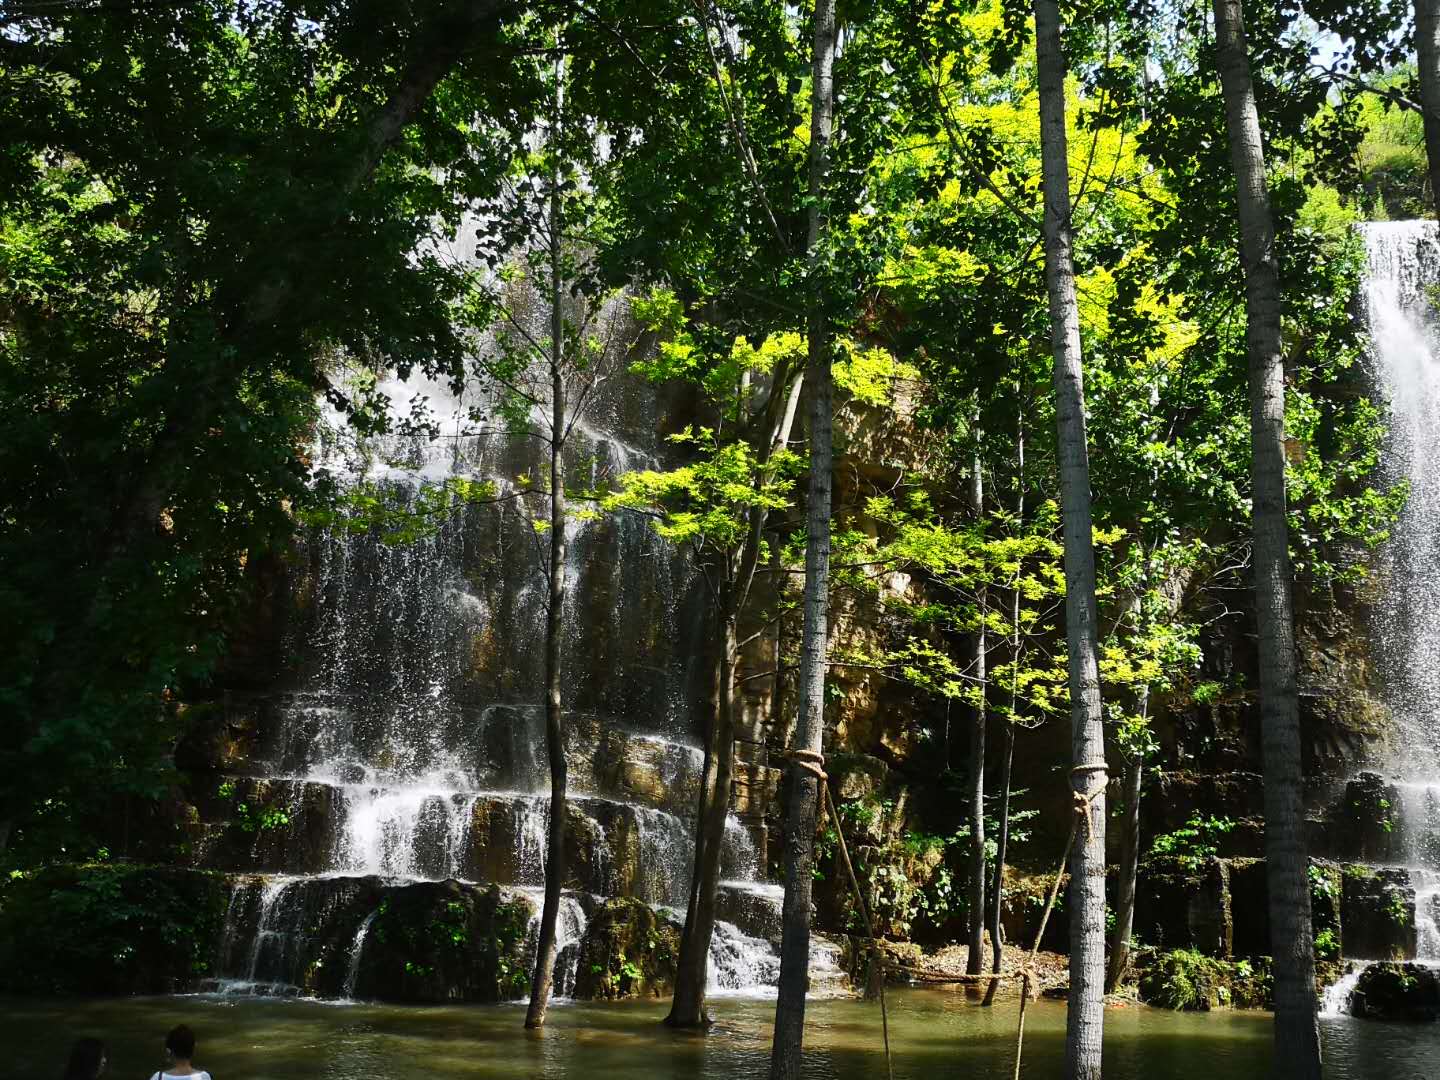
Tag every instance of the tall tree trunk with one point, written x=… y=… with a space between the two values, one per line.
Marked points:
x=1001 y=845
x=687 y=1007
x=1002 y=842
x=554 y=626
x=1085 y=1016
x=708 y=773
x=1297 y=1037
x=733 y=591
x=1427 y=60
x=1129 y=866
x=800 y=814
x=975 y=953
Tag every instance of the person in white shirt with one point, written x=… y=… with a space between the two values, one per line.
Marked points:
x=180 y=1046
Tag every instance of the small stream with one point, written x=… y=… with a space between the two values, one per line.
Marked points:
x=935 y=1035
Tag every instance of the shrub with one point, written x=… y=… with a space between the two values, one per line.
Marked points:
x=109 y=928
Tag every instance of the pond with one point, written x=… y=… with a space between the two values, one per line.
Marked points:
x=935 y=1035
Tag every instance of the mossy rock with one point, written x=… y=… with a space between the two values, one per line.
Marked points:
x=110 y=928
x=628 y=952
x=1391 y=991
x=1377 y=913
x=1193 y=982
x=1184 y=904
x=447 y=941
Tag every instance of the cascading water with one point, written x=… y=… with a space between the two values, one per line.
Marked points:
x=1403 y=258
x=410 y=746
x=1403 y=267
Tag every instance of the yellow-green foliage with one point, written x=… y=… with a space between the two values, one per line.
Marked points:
x=707 y=503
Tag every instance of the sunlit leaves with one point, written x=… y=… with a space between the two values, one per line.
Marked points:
x=708 y=502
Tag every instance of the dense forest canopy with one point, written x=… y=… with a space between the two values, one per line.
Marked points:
x=222 y=219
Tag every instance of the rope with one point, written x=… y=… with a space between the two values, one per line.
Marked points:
x=813 y=762
x=1082 y=803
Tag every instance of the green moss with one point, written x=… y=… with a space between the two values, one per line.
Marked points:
x=627 y=952
x=440 y=941
x=1193 y=982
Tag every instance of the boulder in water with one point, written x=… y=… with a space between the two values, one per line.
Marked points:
x=1391 y=991
x=447 y=941
x=628 y=951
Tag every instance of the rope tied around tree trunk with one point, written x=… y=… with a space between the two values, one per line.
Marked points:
x=1082 y=802
x=813 y=762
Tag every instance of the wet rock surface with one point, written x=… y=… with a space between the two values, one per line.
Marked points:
x=447 y=941
x=628 y=951
x=1392 y=991
x=1377 y=913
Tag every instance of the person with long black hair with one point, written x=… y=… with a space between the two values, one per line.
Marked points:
x=87 y=1060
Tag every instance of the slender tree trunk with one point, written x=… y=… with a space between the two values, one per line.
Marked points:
x=801 y=811
x=1297 y=1038
x=554 y=626
x=1129 y=869
x=1085 y=1015
x=1001 y=845
x=1427 y=59
x=687 y=1007
x=975 y=953
x=708 y=776
x=1002 y=842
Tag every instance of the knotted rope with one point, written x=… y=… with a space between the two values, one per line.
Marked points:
x=1082 y=803
x=813 y=762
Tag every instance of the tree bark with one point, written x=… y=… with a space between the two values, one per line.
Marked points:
x=1297 y=1037
x=1085 y=1016
x=708 y=776
x=687 y=1007
x=1427 y=60
x=554 y=627
x=975 y=953
x=802 y=808
x=1002 y=842
x=1129 y=869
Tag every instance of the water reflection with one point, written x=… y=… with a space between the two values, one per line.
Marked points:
x=935 y=1035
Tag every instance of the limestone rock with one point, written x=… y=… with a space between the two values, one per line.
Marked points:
x=628 y=951
x=447 y=941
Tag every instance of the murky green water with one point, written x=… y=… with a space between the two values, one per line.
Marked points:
x=936 y=1036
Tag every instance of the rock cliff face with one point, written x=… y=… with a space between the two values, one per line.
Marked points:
x=364 y=792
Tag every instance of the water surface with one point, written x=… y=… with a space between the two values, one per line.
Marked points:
x=935 y=1035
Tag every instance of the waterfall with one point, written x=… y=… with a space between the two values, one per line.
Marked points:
x=1335 y=1001
x=406 y=742
x=352 y=970
x=1403 y=267
x=1403 y=257
x=1403 y=260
